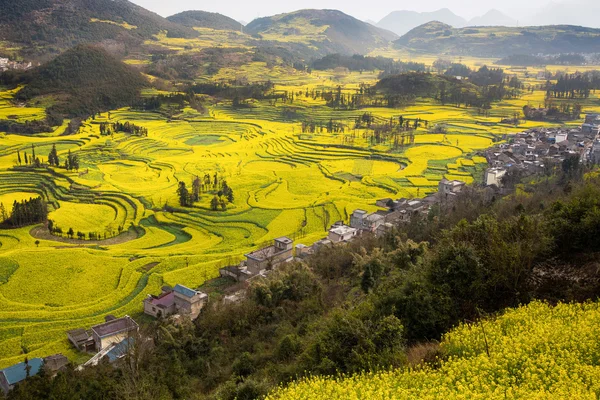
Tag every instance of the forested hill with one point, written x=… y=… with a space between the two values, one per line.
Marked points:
x=45 y=27
x=84 y=80
x=203 y=19
x=331 y=31
x=438 y=38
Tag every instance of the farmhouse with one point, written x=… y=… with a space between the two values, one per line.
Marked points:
x=114 y=330
x=270 y=257
x=179 y=300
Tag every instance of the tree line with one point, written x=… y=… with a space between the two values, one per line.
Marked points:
x=107 y=128
x=25 y=212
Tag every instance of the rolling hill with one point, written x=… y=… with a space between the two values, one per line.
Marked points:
x=439 y=38
x=325 y=31
x=42 y=28
x=82 y=81
x=204 y=19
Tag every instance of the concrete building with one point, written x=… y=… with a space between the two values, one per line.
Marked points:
x=448 y=188
x=114 y=330
x=162 y=305
x=493 y=176
x=189 y=302
x=366 y=222
x=343 y=233
x=270 y=257
x=238 y=272
x=179 y=300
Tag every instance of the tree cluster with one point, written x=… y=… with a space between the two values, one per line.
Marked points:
x=25 y=212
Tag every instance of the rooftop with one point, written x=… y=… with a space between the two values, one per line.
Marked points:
x=285 y=240
x=343 y=230
x=18 y=372
x=115 y=326
x=79 y=335
x=185 y=291
x=164 y=300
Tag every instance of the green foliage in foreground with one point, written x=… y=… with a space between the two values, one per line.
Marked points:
x=536 y=351
x=321 y=319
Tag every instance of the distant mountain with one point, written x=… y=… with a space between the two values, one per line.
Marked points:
x=84 y=80
x=493 y=18
x=400 y=22
x=203 y=19
x=578 y=12
x=43 y=27
x=438 y=38
x=324 y=31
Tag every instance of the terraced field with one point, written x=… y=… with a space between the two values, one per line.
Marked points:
x=285 y=183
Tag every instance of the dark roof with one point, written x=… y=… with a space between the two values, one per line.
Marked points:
x=79 y=335
x=187 y=292
x=18 y=373
x=115 y=326
x=55 y=362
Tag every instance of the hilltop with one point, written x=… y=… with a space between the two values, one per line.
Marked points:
x=439 y=38
x=83 y=81
x=46 y=27
x=330 y=31
x=204 y=19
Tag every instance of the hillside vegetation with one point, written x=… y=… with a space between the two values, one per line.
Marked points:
x=84 y=80
x=536 y=351
x=44 y=27
x=438 y=38
x=203 y=19
x=331 y=31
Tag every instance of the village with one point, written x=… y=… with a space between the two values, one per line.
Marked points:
x=526 y=153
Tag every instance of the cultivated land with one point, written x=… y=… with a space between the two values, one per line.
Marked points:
x=285 y=182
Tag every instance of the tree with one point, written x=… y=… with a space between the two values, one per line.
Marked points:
x=183 y=194
x=19 y=157
x=196 y=189
x=53 y=157
x=214 y=203
x=3 y=214
x=71 y=233
x=368 y=281
x=37 y=243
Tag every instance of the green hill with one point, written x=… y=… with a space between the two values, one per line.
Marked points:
x=83 y=81
x=46 y=27
x=203 y=19
x=438 y=38
x=326 y=31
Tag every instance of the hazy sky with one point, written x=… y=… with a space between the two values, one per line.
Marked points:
x=247 y=10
